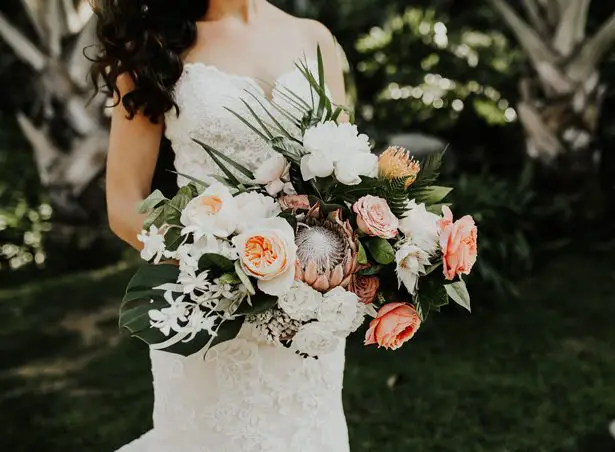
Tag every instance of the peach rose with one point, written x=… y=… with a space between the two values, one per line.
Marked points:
x=365 y=287
x=395 y=324
x=374 y=217
x=267 y=252
x=458 y=241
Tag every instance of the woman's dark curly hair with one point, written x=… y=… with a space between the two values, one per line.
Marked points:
x=146 y=40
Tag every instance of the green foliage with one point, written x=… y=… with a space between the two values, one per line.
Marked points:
x=459 y=294
x=216 y=261
x=509 y=213
x=480 y=373
x=380 y=250
x=24 y=210
x=426 y=69
x=394 y=191
x=431 y=294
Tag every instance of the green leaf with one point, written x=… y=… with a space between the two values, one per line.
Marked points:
x=211 y=261
x=437 y=208
x=229 y=329
x=362 y=255
x=429 y=195
x=211 y=151
x=430 y=170
x=260 y=302
x=381 y=250
x=156 y=218
x=197 y=182
x=141 y=296
x=370 y=271
x=151 y=202
x=173 y=238
x=257 y=118
x=288 y=148
x=229 y=278
x=422 y=308
x=150 y=275
x=459 y=294
x=245 y=279
x=247 y=123
x=279 y=126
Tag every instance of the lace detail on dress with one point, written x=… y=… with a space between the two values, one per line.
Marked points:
x=203 y=94
x=246 y=395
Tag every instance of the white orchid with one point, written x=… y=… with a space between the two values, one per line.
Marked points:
x=340 y=149
x=168 y=319
x=199 y=321
x=212 y=214
x=411 y=263
x=421 y=227
x=192 y=282
x=153 y=244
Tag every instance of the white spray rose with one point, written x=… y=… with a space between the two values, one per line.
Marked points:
x=272 y=173
x=421 y=227
x=213 y=213
x=411 y=263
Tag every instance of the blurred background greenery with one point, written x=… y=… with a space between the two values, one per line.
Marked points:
x=533 y=369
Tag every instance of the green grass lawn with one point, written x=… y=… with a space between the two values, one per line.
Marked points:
x=537 y=374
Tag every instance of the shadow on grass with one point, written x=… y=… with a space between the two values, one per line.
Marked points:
x=535 y=375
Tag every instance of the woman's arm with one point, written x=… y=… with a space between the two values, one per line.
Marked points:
x=133 y=152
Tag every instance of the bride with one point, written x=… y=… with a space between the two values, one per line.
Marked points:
x=173 y=67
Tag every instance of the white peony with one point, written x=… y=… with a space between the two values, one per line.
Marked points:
x=212 y=214
x=272 y=172
x=339 y=310
x=314 y=339
x=254 y=207
x=340 y=149
x=301 y=302
x=421 y=227
x=411 y=263
x=153 y=244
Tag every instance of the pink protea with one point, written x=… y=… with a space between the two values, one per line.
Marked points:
x=327 y=250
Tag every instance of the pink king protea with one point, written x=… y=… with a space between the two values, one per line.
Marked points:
x=327 y=251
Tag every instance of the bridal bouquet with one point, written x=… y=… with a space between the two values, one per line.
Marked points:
x=320 y=236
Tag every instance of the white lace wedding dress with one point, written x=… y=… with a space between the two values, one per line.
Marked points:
x=245 y=395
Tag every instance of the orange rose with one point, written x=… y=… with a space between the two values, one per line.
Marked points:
x=458 y=242
x=365 y=287
x=395 y=324
x=267 y=252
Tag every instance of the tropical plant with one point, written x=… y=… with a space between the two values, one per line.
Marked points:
x=52 y=104
x=561 y=99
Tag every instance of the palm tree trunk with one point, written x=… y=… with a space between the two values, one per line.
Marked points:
x=561 y=97
x=67 y=132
